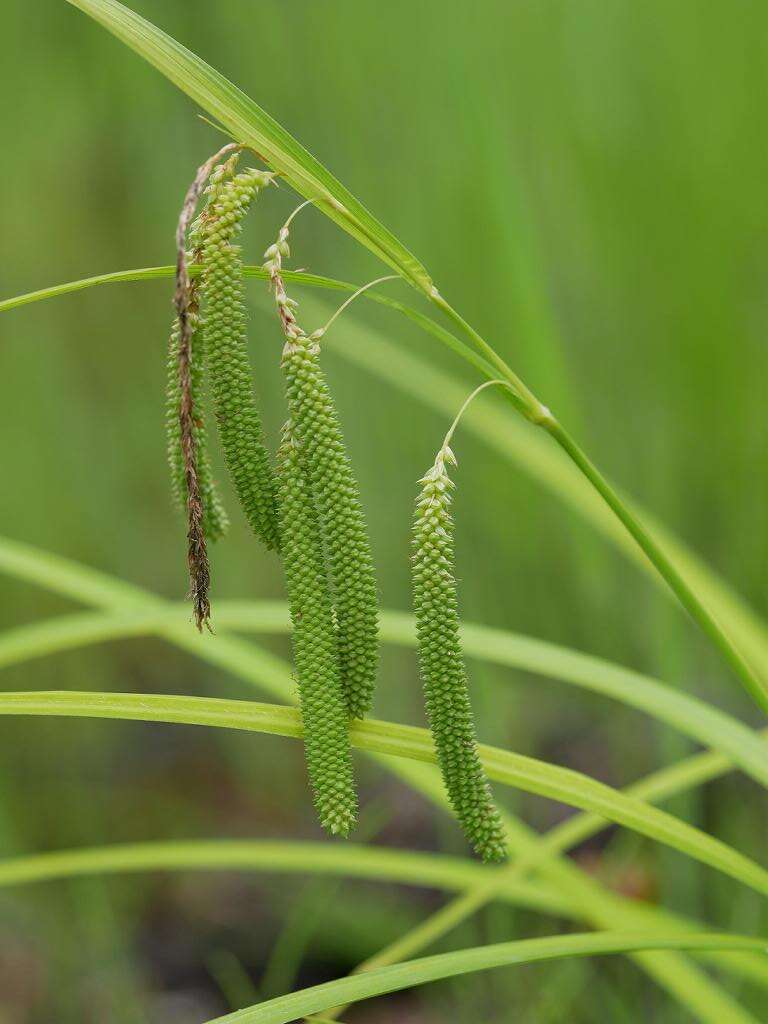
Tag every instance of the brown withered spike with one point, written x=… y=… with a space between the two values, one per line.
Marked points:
x=183 y=300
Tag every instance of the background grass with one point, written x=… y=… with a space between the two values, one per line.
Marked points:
x=597 y=209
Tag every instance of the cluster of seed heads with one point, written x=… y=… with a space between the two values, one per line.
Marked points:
x=442 y=664
x=185 y=302
x=310 y=512
x=334 y=669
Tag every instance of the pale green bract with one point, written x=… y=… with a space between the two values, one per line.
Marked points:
x=443 y=673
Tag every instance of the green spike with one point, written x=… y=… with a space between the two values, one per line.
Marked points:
x=323 y=707
x=443 y=672
x=224 y=332
x=336 y=497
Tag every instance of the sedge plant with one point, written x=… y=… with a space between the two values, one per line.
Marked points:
x=310 y=511
x=251 y=127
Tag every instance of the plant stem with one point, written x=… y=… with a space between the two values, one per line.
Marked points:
x=528 y=404
x=698 y=612
x=467 y=402
x=539 y=414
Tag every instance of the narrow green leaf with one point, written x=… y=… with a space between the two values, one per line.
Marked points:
x=605 y=909
x=707 y=725
x=258 y=668
x=389 y=738
x=253 y=127
x=288 y=1008
x=426 y=323
x=346 y=860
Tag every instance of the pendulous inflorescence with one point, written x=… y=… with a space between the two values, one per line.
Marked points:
x=321 y=697
x=334 y=489
x=336 y=498
x=224 y=333
x=310 y=511
x=184 y=300
x=443 y=671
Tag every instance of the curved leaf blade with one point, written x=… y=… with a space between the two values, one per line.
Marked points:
x=252 y=126
x=426 y=323
x=604 y=910
x=533 y=776
x=291 y=1007
x=689 y=715
x=347 y=860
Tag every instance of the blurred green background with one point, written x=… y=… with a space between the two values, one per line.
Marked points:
x=585 y=180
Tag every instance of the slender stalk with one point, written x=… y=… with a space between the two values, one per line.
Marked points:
x=467 y=402
x=530 y=406
x=541 y=416
x=698 y=612
x=360 y=291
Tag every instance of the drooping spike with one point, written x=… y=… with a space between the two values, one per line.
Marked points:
x=322 y=701
x=443 y=672
x=342 y=522
x=224 y=332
